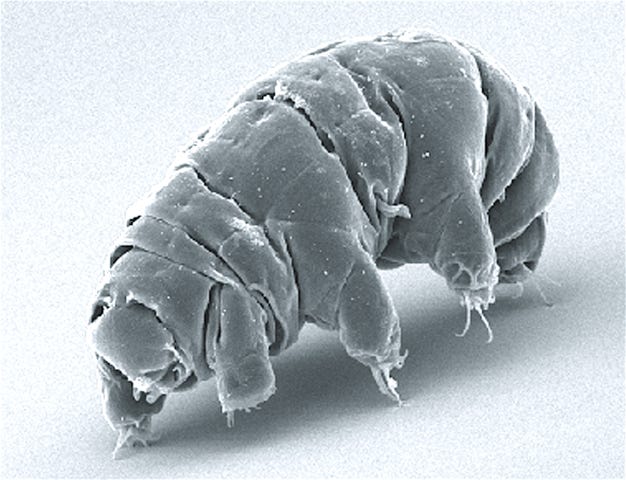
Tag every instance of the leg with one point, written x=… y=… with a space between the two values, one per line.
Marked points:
x=531 y=191
x=127 y=410
x=369 y=327
x=446 y=162
x=239 y=353
x=519 y=257
x=466 y=257
x=448 y=227
x=465 y=254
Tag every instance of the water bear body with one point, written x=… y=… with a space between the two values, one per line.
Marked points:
x=363 y=154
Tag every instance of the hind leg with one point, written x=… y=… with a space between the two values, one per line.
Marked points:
x=465 y=254
x=448 y=227
x=530 y=191
x=369 y=327
x=519 y=257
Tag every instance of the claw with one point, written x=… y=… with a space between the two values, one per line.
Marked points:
x=543 y=276
x=468 y=315
x=475 y=303
x=386 y=383
x=543 y=296
x=230 y=418
x=131 y=436
x=485 y=321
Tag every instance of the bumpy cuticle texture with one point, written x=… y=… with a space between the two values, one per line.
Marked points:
x=365 y=154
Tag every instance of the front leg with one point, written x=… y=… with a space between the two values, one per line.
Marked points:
x=127 y=410
x=238 y=351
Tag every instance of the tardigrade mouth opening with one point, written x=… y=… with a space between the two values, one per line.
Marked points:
x=163 y=381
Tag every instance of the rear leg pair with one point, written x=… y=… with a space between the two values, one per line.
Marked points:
x=472 y=250
x=516 y=261
x=473 y=265
x=477 y=232
x=519 y=258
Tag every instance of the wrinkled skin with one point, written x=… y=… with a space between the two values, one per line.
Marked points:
x=407 y=148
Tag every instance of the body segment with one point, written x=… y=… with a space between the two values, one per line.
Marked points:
x=363 y=154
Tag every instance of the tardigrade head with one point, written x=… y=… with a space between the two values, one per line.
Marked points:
x=132 y=339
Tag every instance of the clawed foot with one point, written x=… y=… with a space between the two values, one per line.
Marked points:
x=386 y=384
x=476 y=302
x=547 y=302
x=130 y=436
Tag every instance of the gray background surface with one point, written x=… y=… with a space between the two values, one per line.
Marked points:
x=97 y=99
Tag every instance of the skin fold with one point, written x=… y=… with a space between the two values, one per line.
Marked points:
x=365 y=154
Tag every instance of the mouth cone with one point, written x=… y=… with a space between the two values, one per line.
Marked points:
x=131 y=339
